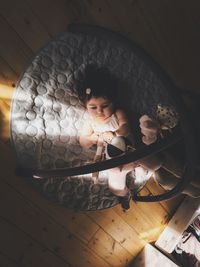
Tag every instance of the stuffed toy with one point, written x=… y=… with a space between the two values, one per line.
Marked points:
x=166 y=119
x=117 y=146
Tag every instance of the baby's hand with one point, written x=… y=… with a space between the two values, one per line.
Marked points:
x=94 y=138
x=108 y=136
x=149 y=129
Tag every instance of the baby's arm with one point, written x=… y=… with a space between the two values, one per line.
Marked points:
x=124 y=128
x=88 y=137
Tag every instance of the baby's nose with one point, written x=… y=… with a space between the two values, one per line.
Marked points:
x=99 y=110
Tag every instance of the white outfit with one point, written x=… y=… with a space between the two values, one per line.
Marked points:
x=116 y=178
x=111 y=125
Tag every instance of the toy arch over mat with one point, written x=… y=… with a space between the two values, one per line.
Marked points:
x=47 y=115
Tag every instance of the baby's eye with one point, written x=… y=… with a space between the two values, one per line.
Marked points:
x=105 y=106
x=92 y=107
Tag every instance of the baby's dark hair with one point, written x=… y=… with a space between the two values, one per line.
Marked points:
x=98 y=82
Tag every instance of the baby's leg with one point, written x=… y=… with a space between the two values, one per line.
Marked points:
x=117 y=181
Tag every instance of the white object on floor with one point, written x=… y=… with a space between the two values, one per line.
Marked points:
x=151 y=257
x=172 y=234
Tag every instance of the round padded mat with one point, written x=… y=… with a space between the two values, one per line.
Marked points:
x=47 y=115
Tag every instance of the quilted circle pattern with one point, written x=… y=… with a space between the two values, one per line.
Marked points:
x=47 y=114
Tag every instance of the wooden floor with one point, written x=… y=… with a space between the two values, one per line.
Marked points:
x=35 y=232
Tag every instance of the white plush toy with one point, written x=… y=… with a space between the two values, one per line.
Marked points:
x=117 y=146
x=166 y=119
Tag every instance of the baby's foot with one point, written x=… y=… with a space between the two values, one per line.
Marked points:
x=125 y=202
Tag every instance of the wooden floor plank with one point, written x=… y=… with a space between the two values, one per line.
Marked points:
x=24 y=250
x=101 y=14
x=118 y=229
x=7 y=76
x=5 y=119
x=153 y=210
x=44 y=230
x=53 y=15
x=27 y=213
x=25 y=23
x=146 y=228
x=135 y=26
x=7 y=262
x=180 y=54
x=77 y=223
x=169 y=32
x=8 y=79
x=12 y=48
x=80 y=13
x=103 y=244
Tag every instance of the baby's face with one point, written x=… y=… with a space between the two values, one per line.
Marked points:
x=99 y=108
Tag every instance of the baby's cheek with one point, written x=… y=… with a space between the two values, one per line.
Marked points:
x=92 y=112
x=108 y=112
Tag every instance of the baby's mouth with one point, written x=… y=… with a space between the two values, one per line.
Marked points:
x=100 y=116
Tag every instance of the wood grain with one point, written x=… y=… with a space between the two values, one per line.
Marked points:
x=12 y=48
x=27 y=26
x=22 y=249
x=169 y=32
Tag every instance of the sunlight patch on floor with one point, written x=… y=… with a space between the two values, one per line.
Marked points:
x=6 y=94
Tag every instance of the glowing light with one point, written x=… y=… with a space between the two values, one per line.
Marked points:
x=152 y=234
x=6 y=92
